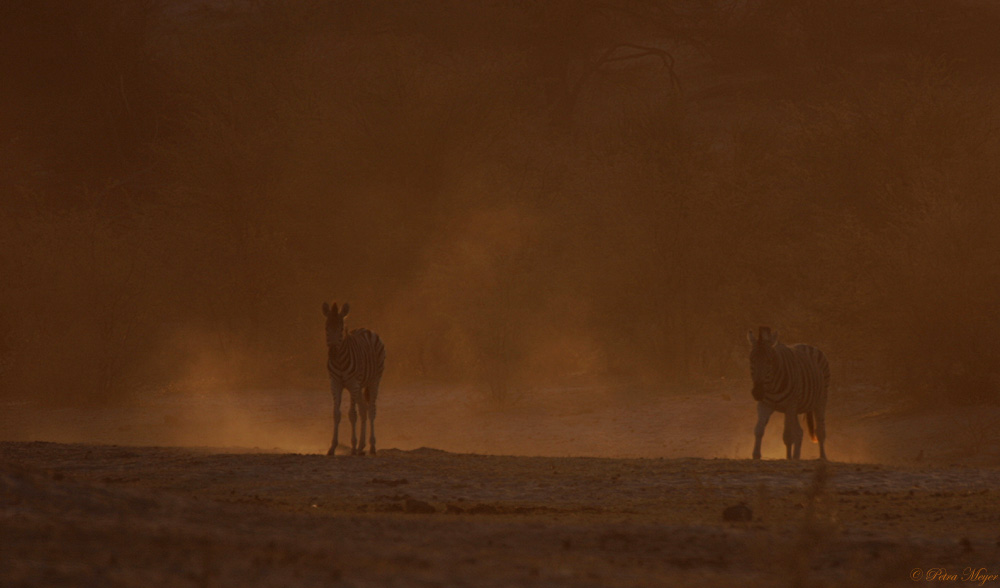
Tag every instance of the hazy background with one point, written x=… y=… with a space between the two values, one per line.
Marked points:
x=516 y=195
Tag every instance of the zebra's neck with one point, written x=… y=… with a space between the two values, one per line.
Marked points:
x=339 y=356
x=335 y=351
x=780 y=392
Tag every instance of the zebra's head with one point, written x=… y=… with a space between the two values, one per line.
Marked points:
x=335 y=323
x=763 y=360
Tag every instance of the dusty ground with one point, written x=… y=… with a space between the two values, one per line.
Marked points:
x=713 y=421
x=98 y=515
x=84 y=512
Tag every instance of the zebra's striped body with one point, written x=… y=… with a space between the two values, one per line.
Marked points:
x=791 y=380
x=355 y=362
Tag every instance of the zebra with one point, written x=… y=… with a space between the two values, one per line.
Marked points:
x=355 y=362
x=790 y=380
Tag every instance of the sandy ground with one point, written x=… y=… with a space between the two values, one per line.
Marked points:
x=646 y=508
x=713 y=421
x=95 y=515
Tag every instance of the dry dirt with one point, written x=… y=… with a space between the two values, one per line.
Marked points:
x=84 y=512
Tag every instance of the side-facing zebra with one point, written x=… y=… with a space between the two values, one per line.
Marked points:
x=791 y=380
x=355 y=362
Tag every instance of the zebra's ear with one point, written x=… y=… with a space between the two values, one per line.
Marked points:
x=774 y=338
x=750 y=336
x=347 y=309
x=326 y=309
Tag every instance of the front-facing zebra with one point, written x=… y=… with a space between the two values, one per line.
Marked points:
x=355 y=362
x=790 y=380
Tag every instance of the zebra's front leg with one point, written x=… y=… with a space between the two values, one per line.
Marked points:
x=792 y=435
x=363 y=409
x=352 y=414
x=338 y=393
x=763 y=415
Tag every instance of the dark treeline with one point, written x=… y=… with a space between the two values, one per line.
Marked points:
x=511 y=193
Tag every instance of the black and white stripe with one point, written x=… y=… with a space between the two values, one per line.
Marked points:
x=791 y=380
x=354 y=361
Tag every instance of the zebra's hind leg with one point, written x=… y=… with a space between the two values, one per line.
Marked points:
x=763 y=415
x=372 y=392
x=821 y=430
x=792 y=435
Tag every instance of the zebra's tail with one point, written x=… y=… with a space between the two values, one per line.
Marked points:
x=812 y=427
